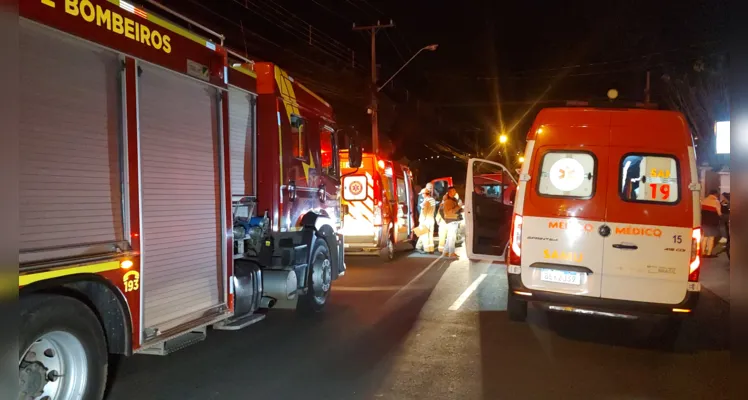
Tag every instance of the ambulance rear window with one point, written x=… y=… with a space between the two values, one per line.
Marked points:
x=568 y=174
x=649 y=178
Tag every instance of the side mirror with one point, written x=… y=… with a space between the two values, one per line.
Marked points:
x=355 y=155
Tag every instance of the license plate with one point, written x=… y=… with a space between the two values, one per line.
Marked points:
x=556 y=276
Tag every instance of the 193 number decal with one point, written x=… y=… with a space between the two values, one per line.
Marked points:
x=131 y=281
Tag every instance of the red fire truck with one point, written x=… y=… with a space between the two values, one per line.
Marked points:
x=165 y=186
x=379 y=206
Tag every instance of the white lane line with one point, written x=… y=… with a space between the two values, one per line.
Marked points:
x=464 y=296
x=366 y=288
x=420 y=274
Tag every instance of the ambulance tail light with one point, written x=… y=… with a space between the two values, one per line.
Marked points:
x=515 y=244
x=377 y=215
x=695 y=266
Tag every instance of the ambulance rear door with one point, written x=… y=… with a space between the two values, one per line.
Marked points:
x=358 y=201
x=564 y=214
x=487 y=216
x=650 y=216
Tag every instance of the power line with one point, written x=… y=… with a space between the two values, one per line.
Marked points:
x=284 y=48
x=331 y=11
x=402 y=38
x=292 y=30
x=372 y=7
x=520 y=74
x=386 y=33
x=329 y=38
x=357 y=7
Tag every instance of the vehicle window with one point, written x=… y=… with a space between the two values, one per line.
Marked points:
x=328 y=153
x=649 y=178
x=440 y=189
x=388 y=187
x=298 y=137
x=509 y=190
x=567 y=174
x=401 y=190
x=492 y=191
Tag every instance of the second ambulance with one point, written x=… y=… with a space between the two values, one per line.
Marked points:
x=606 y=220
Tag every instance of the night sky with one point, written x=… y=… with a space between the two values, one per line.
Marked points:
x=512 y=52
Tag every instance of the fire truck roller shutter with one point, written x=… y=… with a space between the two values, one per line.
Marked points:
x=180 y=197
x=70 y=174
x=242 y=140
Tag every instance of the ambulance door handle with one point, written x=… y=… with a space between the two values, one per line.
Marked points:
x=625 y=246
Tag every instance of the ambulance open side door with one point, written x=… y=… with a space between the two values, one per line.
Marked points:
x=489 y=204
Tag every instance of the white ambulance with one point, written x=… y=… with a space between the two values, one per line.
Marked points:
x=606 y=219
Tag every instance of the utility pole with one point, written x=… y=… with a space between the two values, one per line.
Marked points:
x=373 y=29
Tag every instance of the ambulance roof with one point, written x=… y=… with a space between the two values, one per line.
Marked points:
x=610 y=126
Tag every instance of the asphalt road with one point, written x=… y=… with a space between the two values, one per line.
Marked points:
x=407 y=330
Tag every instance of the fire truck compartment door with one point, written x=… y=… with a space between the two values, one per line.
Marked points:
x=182 y=256
x=70 y=190
x=242 y=140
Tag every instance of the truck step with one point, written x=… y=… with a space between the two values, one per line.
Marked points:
x=238 y=323
x=177 y=343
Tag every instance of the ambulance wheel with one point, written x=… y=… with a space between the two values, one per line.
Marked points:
x=319 y=280
x=62 y=350
x=388 y=252
x=669 y=331
x=517 y=309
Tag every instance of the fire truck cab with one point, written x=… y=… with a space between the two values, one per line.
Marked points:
x=165 y=186
x=378 y=207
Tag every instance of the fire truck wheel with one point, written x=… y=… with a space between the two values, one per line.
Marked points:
x=319 y=280
x=388 y=253
x=63 y=353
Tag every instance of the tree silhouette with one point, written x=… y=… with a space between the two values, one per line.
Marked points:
x=701 y=94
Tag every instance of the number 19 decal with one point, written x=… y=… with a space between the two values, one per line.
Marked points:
x=131 y=281
x=660 y=191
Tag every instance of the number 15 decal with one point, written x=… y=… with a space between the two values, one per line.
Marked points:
x=660 y=191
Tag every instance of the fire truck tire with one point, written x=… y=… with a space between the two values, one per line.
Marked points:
x=62 y=349
x=319 y=280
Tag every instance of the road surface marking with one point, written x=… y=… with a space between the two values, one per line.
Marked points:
x=464 y=296
x=365 y=288
x=412 y=281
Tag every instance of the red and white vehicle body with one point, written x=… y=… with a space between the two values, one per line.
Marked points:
x=379 y=206
x=166 y=186
x=606 y=219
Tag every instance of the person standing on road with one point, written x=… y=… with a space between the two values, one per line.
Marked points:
x=443 y=224
x=711 y=220
x=452 y=217
x=426 y=219
x=725 y=203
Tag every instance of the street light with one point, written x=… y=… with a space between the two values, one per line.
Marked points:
x=521 y=159
x=431 y=47
x=503 y=138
